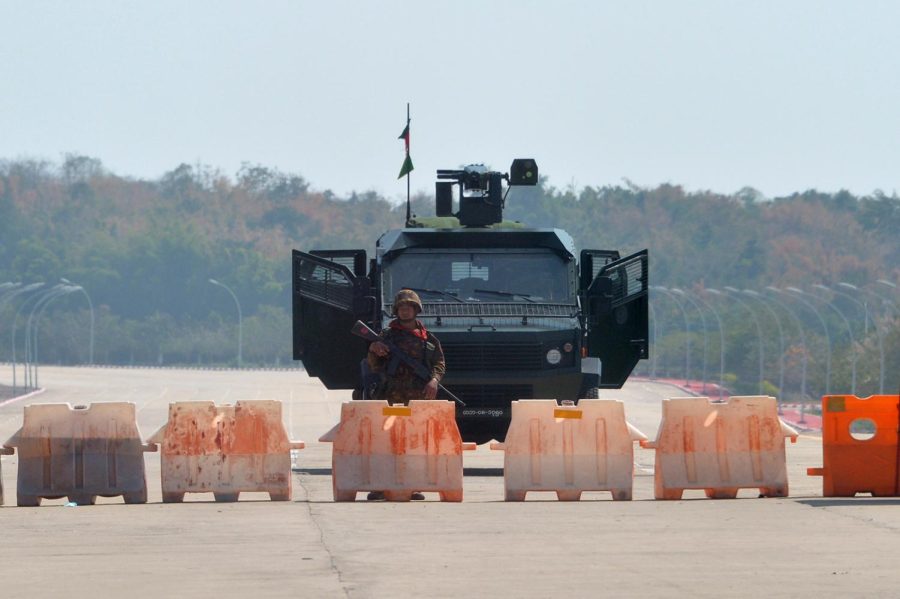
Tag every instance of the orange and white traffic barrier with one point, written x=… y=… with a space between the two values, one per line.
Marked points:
x=721 y=447
x=568 y=449
x=225 y=450
x=79 y=452
x=860 y=446
x=399 y=450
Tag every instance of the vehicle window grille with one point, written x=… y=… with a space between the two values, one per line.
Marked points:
x=467 y=270
x=598 y=263
x=347 y=261
x=629 y=278
x=499 y=309
x=331 y=286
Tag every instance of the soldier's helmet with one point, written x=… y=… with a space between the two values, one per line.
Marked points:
x=407 y=296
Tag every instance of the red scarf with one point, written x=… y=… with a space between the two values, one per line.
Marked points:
x=419 y=331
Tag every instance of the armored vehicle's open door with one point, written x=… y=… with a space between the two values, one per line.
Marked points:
x=328 y=298
x=615 y=308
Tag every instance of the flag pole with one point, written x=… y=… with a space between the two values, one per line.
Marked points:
x=407 y=174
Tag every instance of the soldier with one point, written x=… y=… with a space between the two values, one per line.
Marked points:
x=399 y=383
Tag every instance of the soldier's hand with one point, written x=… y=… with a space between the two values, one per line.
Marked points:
x=379 y=349
x=431 y=389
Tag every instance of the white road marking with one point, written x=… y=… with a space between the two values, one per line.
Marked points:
x=153 y=399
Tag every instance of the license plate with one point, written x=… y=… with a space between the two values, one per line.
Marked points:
x=483 y=412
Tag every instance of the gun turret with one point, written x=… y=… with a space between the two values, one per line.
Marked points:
x=481 y=197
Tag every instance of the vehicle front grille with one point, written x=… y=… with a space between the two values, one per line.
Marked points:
x=495 y=356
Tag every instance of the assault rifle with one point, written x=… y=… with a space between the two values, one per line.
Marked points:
x=360 y=329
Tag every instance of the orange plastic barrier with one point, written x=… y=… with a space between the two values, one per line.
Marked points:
x=399 y=450
x=860 y=446
x=720 y=447
x=225 y=450
x=568 y=449
x=79 y=453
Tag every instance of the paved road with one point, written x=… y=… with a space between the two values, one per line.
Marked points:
x=311 y=547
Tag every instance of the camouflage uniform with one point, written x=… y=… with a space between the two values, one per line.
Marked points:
x=400 y=384
x=403 y=385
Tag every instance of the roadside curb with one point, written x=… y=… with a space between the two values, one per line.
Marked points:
x=21 y=397
x=665 y=382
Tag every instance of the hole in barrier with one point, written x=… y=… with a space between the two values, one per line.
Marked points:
x=863 y=429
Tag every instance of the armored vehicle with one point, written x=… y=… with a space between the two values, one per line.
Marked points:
x=519 y=312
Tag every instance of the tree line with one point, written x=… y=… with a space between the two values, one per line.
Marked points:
x=145 y=251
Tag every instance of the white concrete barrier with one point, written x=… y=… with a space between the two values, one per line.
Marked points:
x=568 y=449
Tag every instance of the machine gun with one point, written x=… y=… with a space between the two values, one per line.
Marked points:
x=360 y=329
x=481 y=197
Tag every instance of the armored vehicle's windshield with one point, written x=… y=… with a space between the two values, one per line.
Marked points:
x=519 y=276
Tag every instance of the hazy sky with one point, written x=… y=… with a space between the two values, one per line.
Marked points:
x=781 y=96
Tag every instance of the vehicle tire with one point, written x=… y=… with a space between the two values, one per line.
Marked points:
x=81 y=499
x=135 y=497
x=481 y=433
x=589 y=387
x=27 y=500
x=341 y=496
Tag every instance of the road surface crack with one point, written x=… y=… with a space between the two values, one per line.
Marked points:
x=331 y=557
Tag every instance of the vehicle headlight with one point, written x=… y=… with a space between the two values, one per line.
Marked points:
x=554 y=357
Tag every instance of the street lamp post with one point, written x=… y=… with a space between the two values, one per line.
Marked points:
x=878 y=331
x=23 y=290
x=687 y=331
x=91 y=306
x=8 y=291
x=798 y=293
x=721 y=344
x=884 y=300
x=734 y=295
x=45 y=297
x=804 y=357
x=697 y=307
x=887 y=283
x=34 y=329
x=853 y=355
x=240 y=319
x=762 y=301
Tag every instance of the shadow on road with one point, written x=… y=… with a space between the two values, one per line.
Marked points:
x=849 y=501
